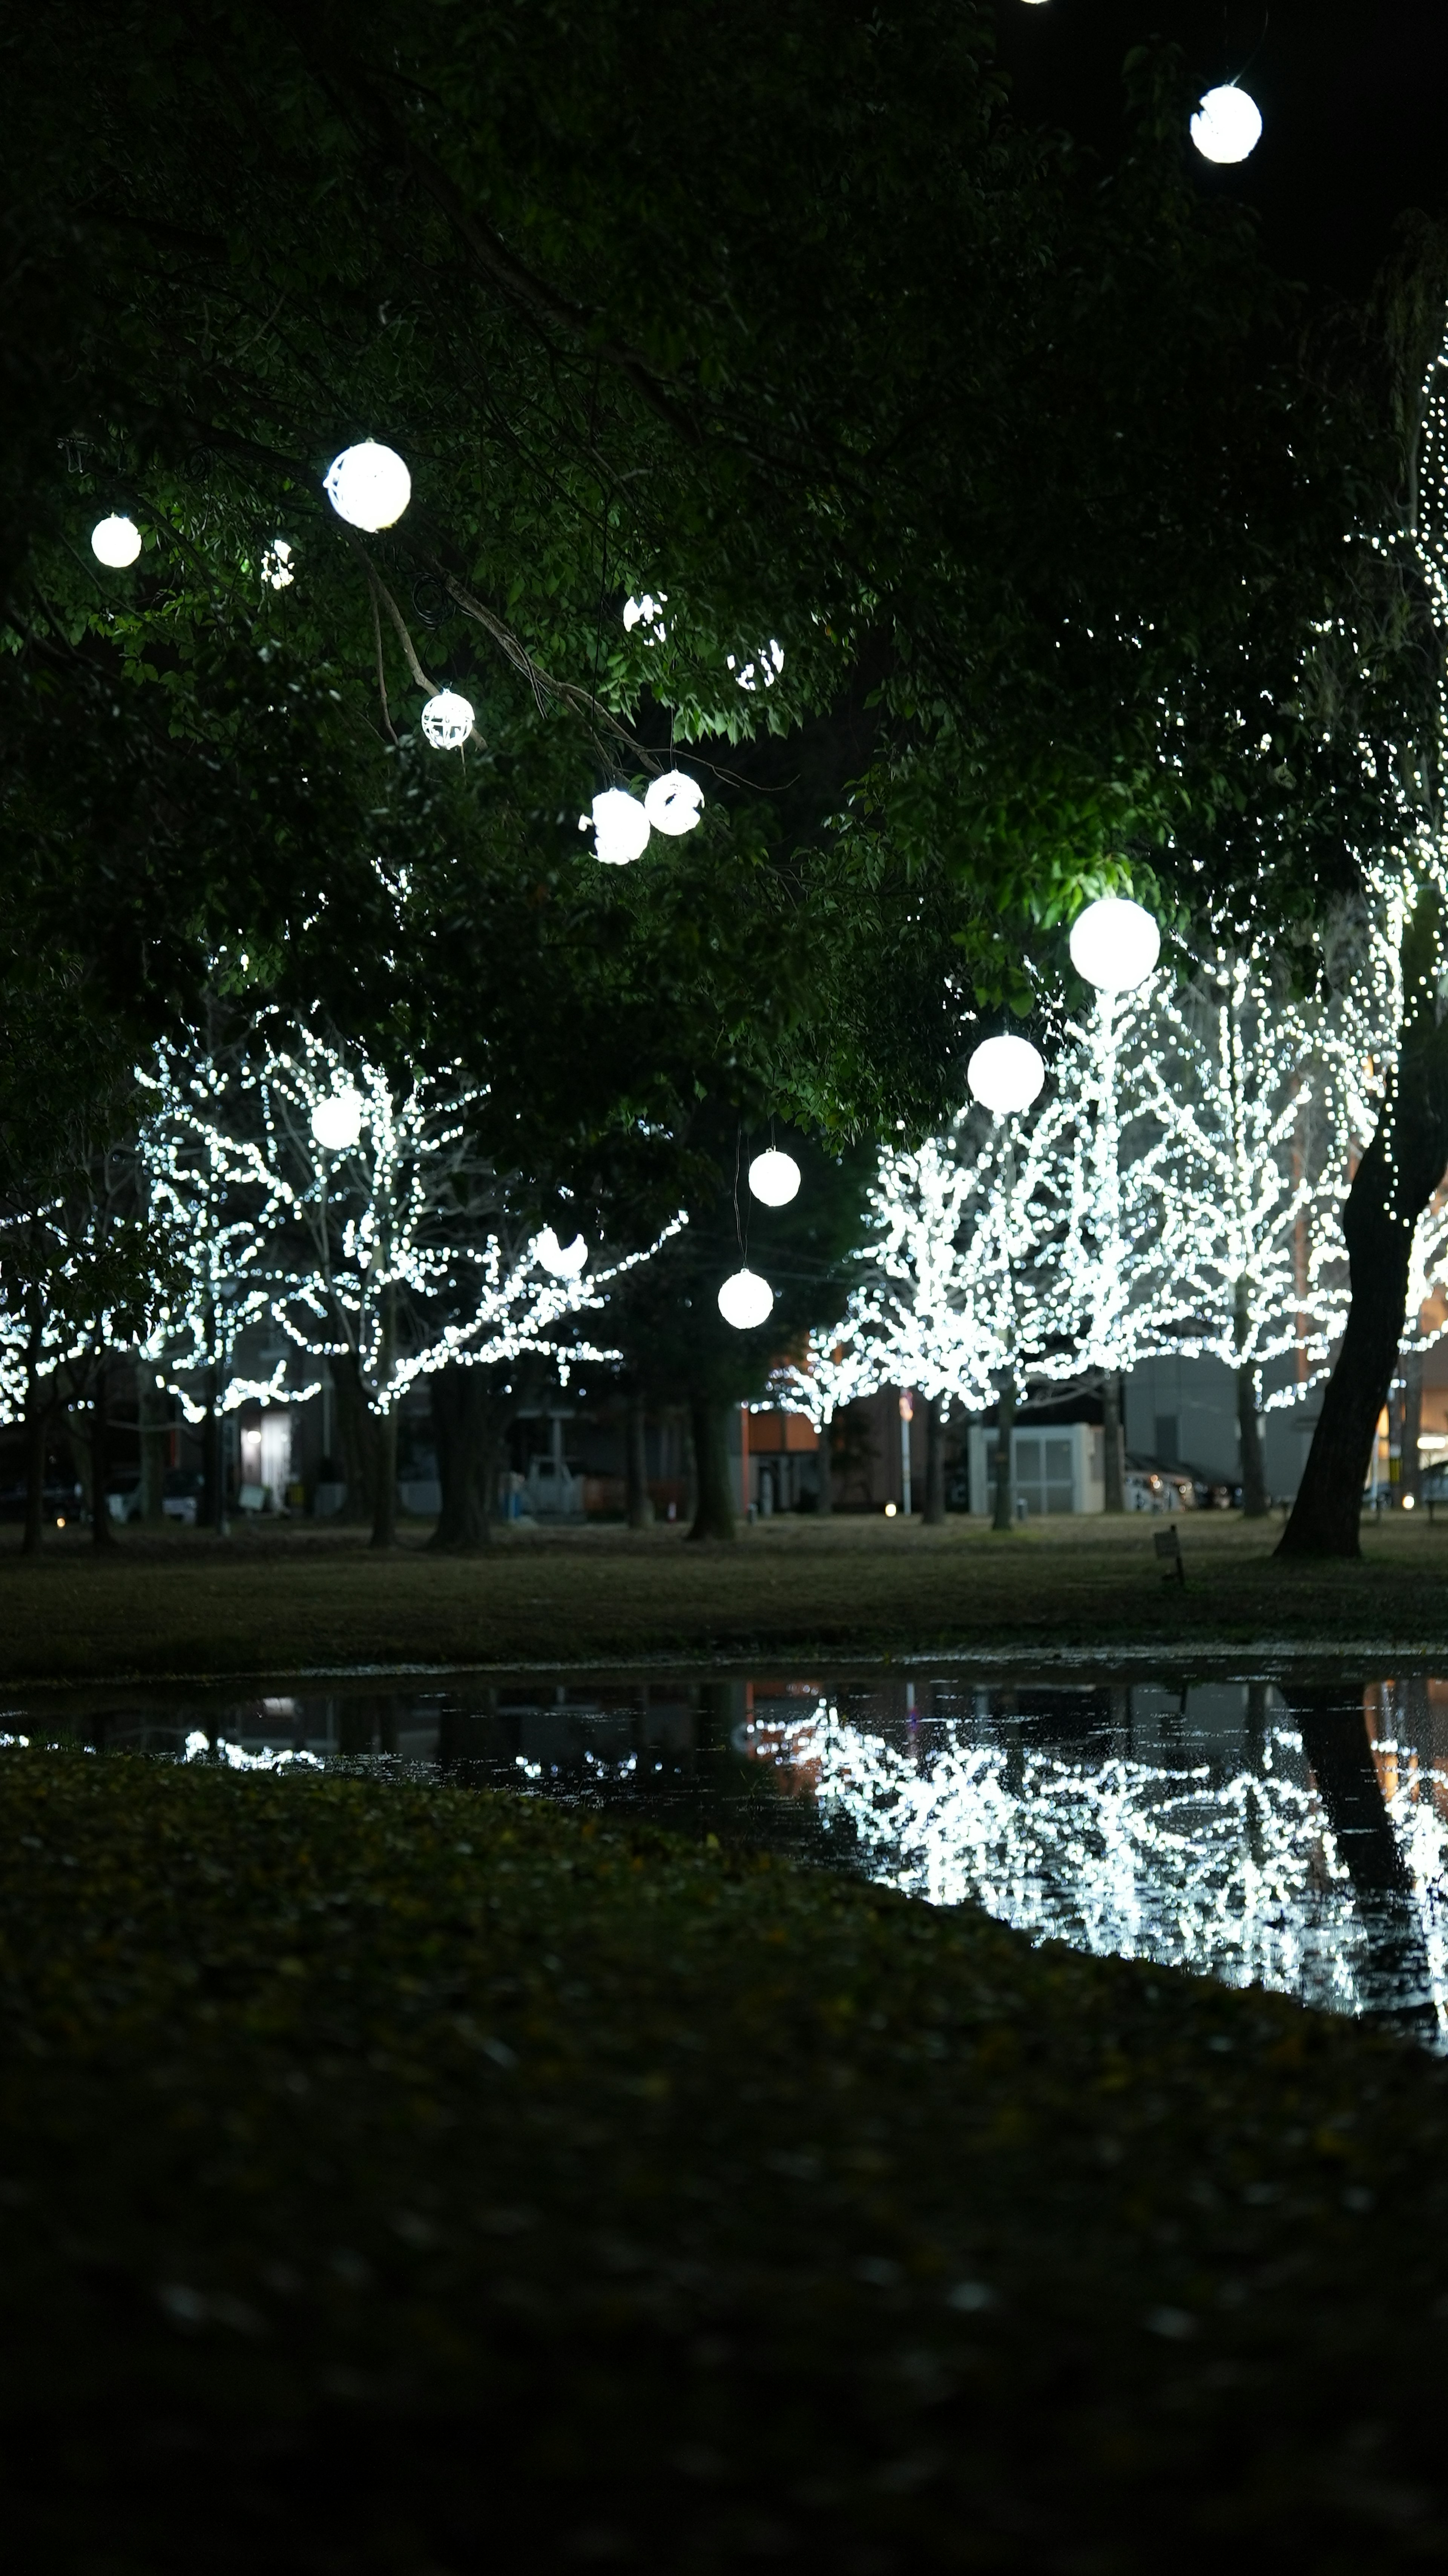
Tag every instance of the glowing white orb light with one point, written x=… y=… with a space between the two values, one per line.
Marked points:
x=447 y=720
x=774 y=1178
x=1115 y=944
x=620 y=828
x=1005 y=1075
x=1227 y=124
x=337 y=1121
x=672 y=803
x=565 y=1260
x=746 y=1300
x=368 y=486
x=115 y=541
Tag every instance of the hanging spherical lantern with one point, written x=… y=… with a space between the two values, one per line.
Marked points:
x=1005 y=1075
x=620 y=828
x=774 y=1178
x=115 y=541
x=746 y=1301
x=447 y=720
x=672 y=803
x=368 y=486
x=1115 y=944
x=337 y=1121
x=1227 y=124
x=564 y=1260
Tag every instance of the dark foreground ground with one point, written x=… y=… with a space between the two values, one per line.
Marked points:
x=293 y=1599
x=418 y=2182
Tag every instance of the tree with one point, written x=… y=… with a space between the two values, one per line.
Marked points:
x=836 y=1369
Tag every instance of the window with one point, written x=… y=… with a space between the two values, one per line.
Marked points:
x=1044 y=1478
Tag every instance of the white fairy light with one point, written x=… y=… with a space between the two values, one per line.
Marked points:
x=1005 y=1074
x=672 y=803
x=1115 y=944
x=1227 y=125
x=447 y=720
x=746 y=1301
x=115 y=541
x=562 y=1260
x=774 y=1178
x=368 y=485
x=337 y=1121
x=620 y=828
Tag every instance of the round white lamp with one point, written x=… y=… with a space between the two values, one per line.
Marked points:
x=672 y=803
x=115 y=541
x=620 y=828
x=746 y=1300
x=337 y=1121
x=1005 y=1075
x=368 y=486
x=447 y=720
x=1115 y=944
x=1227 y=124
x=564 y=1260
x=774 y=1178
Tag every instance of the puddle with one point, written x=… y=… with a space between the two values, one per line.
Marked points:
x=1290 y=1833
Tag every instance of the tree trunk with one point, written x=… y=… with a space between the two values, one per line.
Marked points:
x=1409 y=1491
x=1391 y=1187
x=1255 y=1504
x=102 y=1533
x=37 y=1422
x=213 y=1470
x=384 y=1500
x=467 y=1420
x=356 y=1439
x=640 y=1503
x=153 y=1417
x=826 y=1501
x=1335 y=1742
x=1113 y=1463
x=1004 y=1492
x=714 y=1507
x=934 y=1465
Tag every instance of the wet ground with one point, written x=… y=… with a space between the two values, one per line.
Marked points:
x=1284 y=1827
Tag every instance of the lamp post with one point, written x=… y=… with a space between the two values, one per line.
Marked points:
x=907 y=1415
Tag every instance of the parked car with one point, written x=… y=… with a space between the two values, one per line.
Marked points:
x=61 y=1500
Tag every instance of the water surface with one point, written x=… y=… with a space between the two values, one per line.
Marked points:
x=1288 y=1831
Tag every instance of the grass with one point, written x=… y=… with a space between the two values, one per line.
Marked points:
x=400 y=2181
x=308 y=1598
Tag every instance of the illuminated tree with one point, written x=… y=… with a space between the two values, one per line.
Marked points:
x=837 y=1369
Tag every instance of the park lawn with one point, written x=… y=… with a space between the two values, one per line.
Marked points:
x=300 y=1599
x=406 y=2180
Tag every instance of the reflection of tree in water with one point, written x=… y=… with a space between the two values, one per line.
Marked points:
x=1285 y=1870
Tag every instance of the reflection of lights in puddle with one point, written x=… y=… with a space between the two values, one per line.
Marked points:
x=200 y=1748
x=1122 y=1857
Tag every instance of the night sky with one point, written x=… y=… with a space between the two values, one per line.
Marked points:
x=1353 y=93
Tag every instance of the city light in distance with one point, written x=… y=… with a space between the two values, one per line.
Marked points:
x=746 y=1301
x=368 y=486
x=774 y=1178
x=1227 y=125
x=563 y=1260
x=1005 y=1075
x=115 y=541
x=447 y=720
x=1115 y=944
x=337 y=1121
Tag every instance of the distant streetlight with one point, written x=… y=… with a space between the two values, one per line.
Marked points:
x=564 y=1260
x=774 y=1178
x=1115 y=944
x=1227 y=124
x=447 y=720
x=115 y=542
x=1005 y=1075
x=337 y=1121
x=368 y=486
x=746 y=1300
